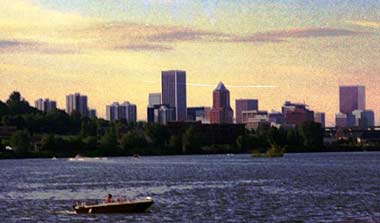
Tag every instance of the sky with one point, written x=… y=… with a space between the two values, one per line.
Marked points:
x=115 y=50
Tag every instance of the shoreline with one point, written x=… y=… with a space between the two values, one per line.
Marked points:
x=49 y=156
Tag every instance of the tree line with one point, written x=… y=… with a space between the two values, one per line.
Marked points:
x=57 y=133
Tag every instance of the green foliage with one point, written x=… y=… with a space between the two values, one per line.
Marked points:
x=158 y=134
x=48 y=142
x=247 y=142
x=88 y=127
x=312 y=135
x=90 y=142
x=17 y=105
x=175 y=144
x=21 y=141
x=275 y=151
x=191 y=141
x=3 y=109
x=108 y=142
x=133 y=140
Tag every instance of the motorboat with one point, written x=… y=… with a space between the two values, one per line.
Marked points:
x=136 y=206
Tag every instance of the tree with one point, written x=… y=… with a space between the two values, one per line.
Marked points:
x=17 y=105
x=175 y=144
x=292 y=137
x=191 y=141
x=90 y=142
x=88 y=128
x=3 y=109
x=312 y=135
x=158 y=134
x=48 y=142
x=133 y=140
x=57 y=122
x=247 y=142
x=21 y=141
x=108 y=142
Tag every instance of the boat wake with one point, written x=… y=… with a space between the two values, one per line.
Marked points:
x=63 y=212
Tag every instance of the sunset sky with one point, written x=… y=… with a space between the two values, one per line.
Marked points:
x=115 y=50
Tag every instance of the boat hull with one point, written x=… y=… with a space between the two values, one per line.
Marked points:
x=117 y=207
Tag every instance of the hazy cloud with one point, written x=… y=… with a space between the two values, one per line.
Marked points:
x=364 y=23
x=14 y=46
x=144 y=47
x=282 y=35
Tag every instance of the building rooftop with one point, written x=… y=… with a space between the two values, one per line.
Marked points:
x=221 y=87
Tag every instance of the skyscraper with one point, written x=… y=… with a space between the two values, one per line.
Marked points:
x=77 y=102
x=45 y=105
x=245 y=105
x=154 y=100
x=351 y=98
x=364 y=118
x=125 y=111
x=174 y=92
x=221 y=111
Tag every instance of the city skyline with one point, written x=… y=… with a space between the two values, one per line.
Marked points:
x=262 y=50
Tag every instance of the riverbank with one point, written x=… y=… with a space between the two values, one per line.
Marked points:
x=38 y=155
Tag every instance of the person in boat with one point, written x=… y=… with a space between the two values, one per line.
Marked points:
x=109 y=198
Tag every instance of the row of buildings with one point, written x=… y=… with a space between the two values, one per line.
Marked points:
x=170 y=105
x=74 y=103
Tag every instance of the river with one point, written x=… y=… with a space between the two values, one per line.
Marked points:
x=324 y=187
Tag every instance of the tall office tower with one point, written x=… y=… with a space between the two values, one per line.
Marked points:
x=351 y=98
x=174 y=92
x=364 y=118
x=245 y=105
x=77 y=102
x=45 y=105
x=221 y=111
x=320 y=117
x=154 y=100
x=296 y=114
x=130 y=111
x=125 y=111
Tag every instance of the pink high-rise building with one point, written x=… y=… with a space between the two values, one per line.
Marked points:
x=351 y=98
x=221 y=111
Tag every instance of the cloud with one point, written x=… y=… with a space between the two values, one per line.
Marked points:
x=186 y=35
x=17 y=46
x=364 y=23
x=283 y=35
x=145 y=47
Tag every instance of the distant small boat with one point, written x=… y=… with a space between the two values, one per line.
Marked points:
x=82 y=158
x=54 y=158
x=136 y=156
x=78 y=158
x=137 y=206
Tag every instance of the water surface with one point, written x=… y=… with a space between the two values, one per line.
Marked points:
x=330 y=187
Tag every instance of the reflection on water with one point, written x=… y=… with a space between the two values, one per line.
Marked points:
x=217 y=188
